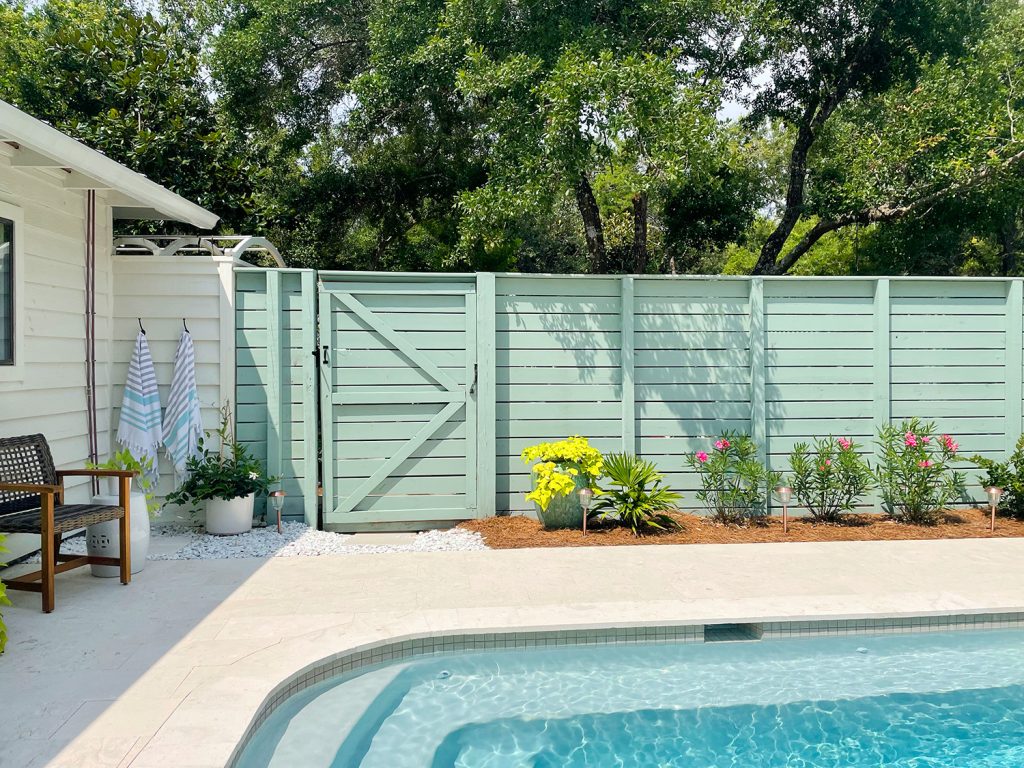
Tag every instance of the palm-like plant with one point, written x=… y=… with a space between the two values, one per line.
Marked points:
x=632 y=492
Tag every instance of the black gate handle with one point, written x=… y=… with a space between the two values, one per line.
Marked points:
x=472 y=387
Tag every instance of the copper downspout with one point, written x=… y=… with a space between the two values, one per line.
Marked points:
x=90 y=330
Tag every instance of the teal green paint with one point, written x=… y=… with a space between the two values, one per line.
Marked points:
x=627 y=364
x=309 y=398
x=471 y=468
x=662 y=370
x=758 y=429
x=1014 y=362
x=326 y=306
x=275 y=435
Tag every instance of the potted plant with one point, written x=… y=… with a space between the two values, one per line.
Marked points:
x=562 y=468
x=225 y=481
x=101 y=539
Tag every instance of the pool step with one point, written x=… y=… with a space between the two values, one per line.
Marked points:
x=732 y=633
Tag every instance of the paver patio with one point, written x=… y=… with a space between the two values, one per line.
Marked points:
x=170 y=670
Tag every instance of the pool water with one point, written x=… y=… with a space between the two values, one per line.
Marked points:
x=943 y=700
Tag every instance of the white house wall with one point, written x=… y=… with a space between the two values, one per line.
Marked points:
x=163 y=292
x=49 y=395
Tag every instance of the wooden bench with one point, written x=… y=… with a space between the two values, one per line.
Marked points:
x=31 y=501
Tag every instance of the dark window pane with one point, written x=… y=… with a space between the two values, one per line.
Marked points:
x=6 y=292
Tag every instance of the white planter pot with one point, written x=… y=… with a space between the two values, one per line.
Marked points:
x=103 y=539
x=229 y=517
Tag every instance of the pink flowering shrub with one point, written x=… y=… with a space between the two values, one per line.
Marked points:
x=914 y=474
x=829 y=477
x=734 y=482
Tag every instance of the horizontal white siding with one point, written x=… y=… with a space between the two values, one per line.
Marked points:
x=163 y=293
x=50 y=396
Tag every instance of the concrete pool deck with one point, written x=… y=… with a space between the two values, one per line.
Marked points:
x=170 y=670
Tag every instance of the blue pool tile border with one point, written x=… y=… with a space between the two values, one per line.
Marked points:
x=401 y=649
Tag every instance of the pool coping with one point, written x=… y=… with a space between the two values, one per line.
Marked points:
x=423 y=645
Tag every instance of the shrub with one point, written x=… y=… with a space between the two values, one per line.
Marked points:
x=559 y=464
x=634 y=494
x=1008 y=475
x=734 y=482
x=913 y=472
x=230 y=472
x=829 y=478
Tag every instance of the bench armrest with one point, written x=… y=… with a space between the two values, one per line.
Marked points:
x=96 y=473
x=40 y=488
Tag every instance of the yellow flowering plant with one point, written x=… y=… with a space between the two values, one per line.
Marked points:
x=559 y=466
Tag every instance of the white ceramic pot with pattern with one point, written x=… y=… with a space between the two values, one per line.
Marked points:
x=103 y=539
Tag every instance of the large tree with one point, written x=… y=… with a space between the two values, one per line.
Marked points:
x=131 y=86
x=829 y=61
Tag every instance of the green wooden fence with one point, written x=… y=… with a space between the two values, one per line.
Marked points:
x=431 y=385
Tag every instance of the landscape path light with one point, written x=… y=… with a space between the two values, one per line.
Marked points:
x=586 y=495
x=785 y=495
x=277 y=502
x=994 y=493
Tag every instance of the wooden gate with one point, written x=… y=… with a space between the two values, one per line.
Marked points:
x=398 y=400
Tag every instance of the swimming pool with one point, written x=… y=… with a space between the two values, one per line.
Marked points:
x=937 y=700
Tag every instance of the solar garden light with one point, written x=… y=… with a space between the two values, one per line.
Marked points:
x=785 y=496
x=586 y=494
x=994 y=494
x=277 y=501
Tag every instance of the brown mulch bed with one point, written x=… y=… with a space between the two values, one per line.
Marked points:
x=516 y=532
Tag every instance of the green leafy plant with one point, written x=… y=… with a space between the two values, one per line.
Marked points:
x=143 y=468
x=1008 y=475
x=734 y=482
x=559 y=465
x=913 y=472
x=634 y=495
x=3 y=601
x=230 y=472
x=829 y=477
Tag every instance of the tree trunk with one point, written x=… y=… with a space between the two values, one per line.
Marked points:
x=794 y=201
x=1008 y=239
x=592 y=227
x=640 y=233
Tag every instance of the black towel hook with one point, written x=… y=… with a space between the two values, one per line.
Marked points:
x=140 y=326
x=184 y=325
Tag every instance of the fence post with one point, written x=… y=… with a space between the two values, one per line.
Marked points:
x=1014 y=362
x=626 y=363
x=275 y=439
x=486 y=393
x=882 y=373
x=758 y=426
x=310 y=406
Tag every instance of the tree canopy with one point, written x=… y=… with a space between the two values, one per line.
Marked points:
x=765 y=136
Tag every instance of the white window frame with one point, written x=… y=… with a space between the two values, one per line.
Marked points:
x=16 y=372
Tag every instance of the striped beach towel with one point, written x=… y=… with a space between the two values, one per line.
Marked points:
x=139 y=427
x=183 y=425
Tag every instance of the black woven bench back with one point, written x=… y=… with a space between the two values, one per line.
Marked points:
x=24 y=459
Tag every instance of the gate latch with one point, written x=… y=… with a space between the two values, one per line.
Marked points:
x=323 y=354
x=472 y=387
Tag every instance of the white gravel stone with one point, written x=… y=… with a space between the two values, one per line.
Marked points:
x=295 y=540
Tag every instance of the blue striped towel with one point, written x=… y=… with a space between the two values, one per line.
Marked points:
x=139 y=427
x=183 y=425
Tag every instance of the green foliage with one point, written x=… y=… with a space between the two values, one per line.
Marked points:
x=143 y=468
x=230 y=472
x=559 y=465
x=1008 y=475
x=734 y=482
x=126 y=83
x=914 y=474
x=634 y=495
x=3 y=601
x=829 y=478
